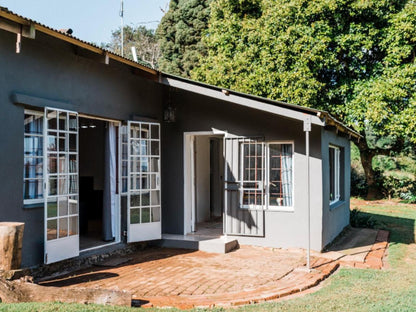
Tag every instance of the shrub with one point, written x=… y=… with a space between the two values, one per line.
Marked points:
x=359 y=219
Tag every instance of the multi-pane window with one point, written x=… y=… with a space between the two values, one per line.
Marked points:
x=62 y=174
x=334 y=174
x=144 y=173
x=266 y=175
x=33 y=157
x=280 y=174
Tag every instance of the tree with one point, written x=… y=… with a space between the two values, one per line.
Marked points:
x=143 y=39
x=353 y=58
x=179 y=35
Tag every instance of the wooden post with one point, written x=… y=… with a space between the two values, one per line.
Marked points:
x=11 y=239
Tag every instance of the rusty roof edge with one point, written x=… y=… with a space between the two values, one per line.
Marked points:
x=6 y=13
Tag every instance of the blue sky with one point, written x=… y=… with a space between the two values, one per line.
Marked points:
x=91 y=20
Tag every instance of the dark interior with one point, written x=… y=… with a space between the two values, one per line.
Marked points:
x=91 y=181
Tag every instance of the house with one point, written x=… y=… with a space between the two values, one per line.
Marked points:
x=109 y=151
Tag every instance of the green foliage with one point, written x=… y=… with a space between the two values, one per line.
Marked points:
x=353 y=58
x=143 y=39
x=359 y=219
x=396 y=183
x=179 y=35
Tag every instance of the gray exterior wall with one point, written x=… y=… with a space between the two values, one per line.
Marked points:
x=80 y=81
x=198 y=113
x=51 y=69
x=335 y=217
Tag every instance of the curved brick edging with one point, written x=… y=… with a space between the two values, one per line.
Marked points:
x=374 y=258
x=294 y=282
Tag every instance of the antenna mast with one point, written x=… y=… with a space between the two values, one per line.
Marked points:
x=122 y=27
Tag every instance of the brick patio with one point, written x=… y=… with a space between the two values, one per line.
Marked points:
x=186 y=279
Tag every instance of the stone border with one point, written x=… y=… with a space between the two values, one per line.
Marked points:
x=374 y=258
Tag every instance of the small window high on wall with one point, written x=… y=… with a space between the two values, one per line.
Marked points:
x=334 y=174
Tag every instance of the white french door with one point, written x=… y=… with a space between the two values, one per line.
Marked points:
x=143 y=182
x=60 y=148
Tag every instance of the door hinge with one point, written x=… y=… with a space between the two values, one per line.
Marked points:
x=46 y=258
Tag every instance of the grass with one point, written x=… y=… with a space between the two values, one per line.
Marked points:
x=391 y=289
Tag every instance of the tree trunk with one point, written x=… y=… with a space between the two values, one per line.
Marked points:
x=366 y=156
x=11 y=239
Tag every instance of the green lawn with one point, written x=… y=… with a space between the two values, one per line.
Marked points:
x=392 y=289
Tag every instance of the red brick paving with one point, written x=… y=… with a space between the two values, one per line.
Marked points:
x=186 y=279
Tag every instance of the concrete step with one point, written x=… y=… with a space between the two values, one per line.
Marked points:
x=195 y=242
x=218 y=245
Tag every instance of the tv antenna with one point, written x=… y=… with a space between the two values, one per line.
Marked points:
x=122 y=27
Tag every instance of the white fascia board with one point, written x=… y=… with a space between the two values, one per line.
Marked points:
x=236 y=99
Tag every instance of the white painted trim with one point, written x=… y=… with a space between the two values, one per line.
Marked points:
x=98 y=247
x=189 y=176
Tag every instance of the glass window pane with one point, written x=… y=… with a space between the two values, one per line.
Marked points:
x=52 y=142
x=73 y=205
x=145 y=131
x=63 y=121
x=33 y=189
x=73 y=184
x=155 y=214
x=124 y=185
x=72 y=142
x=33 y=146
x=73 y=164
x=155 y=197
x=135 y=181
x=145 y=185
x=280 y=175
x=134 y=216
x=52 y=163
x=155 y=148
x=33 y=123
x=63 y=227
x=134 y=165
x=135 y=200
x=153 y=184
x=52 y=208
x=154 y=164
x=53 y=186
x=134 y=132
x=154 y=131
x=52 y=120
x=73 y=226
x=62 y=142
x=63 y=206
x=51 y=231
x=33 y=168
x=135 y=147
x=73 y=124
x=145 y=215
x=144 y=164
x=63 y=183
x=146 y=199
x=62 y=163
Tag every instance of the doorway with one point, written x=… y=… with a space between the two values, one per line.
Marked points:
x=98 y=199
x=204 y=184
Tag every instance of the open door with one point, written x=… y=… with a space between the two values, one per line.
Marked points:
x=143 y=191
x=244 y=186
x=60 y=148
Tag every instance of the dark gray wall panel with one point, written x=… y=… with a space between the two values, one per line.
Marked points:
x=54 y=70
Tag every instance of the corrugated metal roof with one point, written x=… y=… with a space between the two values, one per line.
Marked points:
x=6 y=13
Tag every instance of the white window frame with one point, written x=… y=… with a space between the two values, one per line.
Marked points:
x=39 y=200
x=336 y=174
x=264 y=185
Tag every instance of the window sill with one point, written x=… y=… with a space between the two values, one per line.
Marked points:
x=281 y=209
x=33 y=206
x=336 y=205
